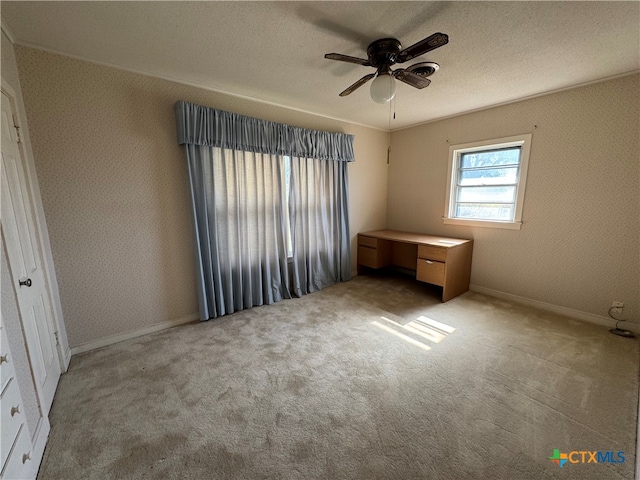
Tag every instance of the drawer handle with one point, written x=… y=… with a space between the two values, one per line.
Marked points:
x=3 y=359
x=428 y=262
x=15 y=410
x=25 y=457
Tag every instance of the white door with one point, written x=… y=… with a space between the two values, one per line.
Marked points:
x=21 y=240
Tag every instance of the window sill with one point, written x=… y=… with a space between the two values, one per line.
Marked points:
x=482 y=223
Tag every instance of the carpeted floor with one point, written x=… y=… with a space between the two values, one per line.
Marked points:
x=369 y=379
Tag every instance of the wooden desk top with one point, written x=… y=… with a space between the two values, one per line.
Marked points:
x=416 y=238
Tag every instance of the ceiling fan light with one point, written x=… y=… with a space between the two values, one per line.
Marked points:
x=383 y=88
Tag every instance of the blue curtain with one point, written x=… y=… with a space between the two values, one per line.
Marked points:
x=319 y=217
x=198 y=125
x=243 y=221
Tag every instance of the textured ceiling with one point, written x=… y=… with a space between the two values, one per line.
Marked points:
x=274 y=51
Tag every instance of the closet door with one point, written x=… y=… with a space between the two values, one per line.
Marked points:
x=23 y=249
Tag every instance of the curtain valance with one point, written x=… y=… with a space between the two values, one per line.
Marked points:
x=199 y=125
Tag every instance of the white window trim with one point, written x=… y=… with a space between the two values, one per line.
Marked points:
x=523 y=141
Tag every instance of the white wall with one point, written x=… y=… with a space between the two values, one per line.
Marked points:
x=579 y=246
x=115 y=190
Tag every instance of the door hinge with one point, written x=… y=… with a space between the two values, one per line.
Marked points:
x=55 y=334
x=15 y=125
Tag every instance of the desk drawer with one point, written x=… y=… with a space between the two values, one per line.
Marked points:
x=370 y=257
x=432 y=252
x=367 y=241
x=430 y=272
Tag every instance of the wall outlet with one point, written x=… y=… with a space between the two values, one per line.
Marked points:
x=616 y=307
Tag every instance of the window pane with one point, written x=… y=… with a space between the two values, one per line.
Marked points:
x=491 y=176
x=287 y=181
x=287 y=174
x=484 y=211
x=490 y=158
x=486 y=194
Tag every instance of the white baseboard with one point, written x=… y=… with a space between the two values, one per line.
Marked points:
x=38 y=443
x=103 y=342
x=569 y=312
x=67 y=358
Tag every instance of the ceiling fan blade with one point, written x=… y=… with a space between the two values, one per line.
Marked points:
x=423 y=46
x=358 y=84
x=347 y=58
x=412 y=79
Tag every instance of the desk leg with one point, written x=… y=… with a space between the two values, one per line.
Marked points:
x=458 y=271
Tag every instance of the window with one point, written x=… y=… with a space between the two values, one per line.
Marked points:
x=486 y=182
x=286 y=172
x=239 y=179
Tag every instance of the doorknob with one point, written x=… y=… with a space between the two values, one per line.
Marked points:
x=26 y=283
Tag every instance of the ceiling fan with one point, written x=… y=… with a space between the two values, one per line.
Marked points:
x=384 y=53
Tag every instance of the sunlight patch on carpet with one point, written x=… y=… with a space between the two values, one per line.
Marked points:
x=404 y=337
x=434 y=323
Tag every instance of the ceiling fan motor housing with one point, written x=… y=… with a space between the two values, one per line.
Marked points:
x=383 y=52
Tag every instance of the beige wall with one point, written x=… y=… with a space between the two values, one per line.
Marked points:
x=579 y=246
x=115 y=191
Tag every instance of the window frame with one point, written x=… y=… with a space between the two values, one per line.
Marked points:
x=455 y=154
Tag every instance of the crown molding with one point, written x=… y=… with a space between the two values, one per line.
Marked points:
x=518 y=100
x=196 y=85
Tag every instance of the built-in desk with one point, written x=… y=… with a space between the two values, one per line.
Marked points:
x=438 y=260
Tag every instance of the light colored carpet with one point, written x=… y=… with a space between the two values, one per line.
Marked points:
x=322 y=387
